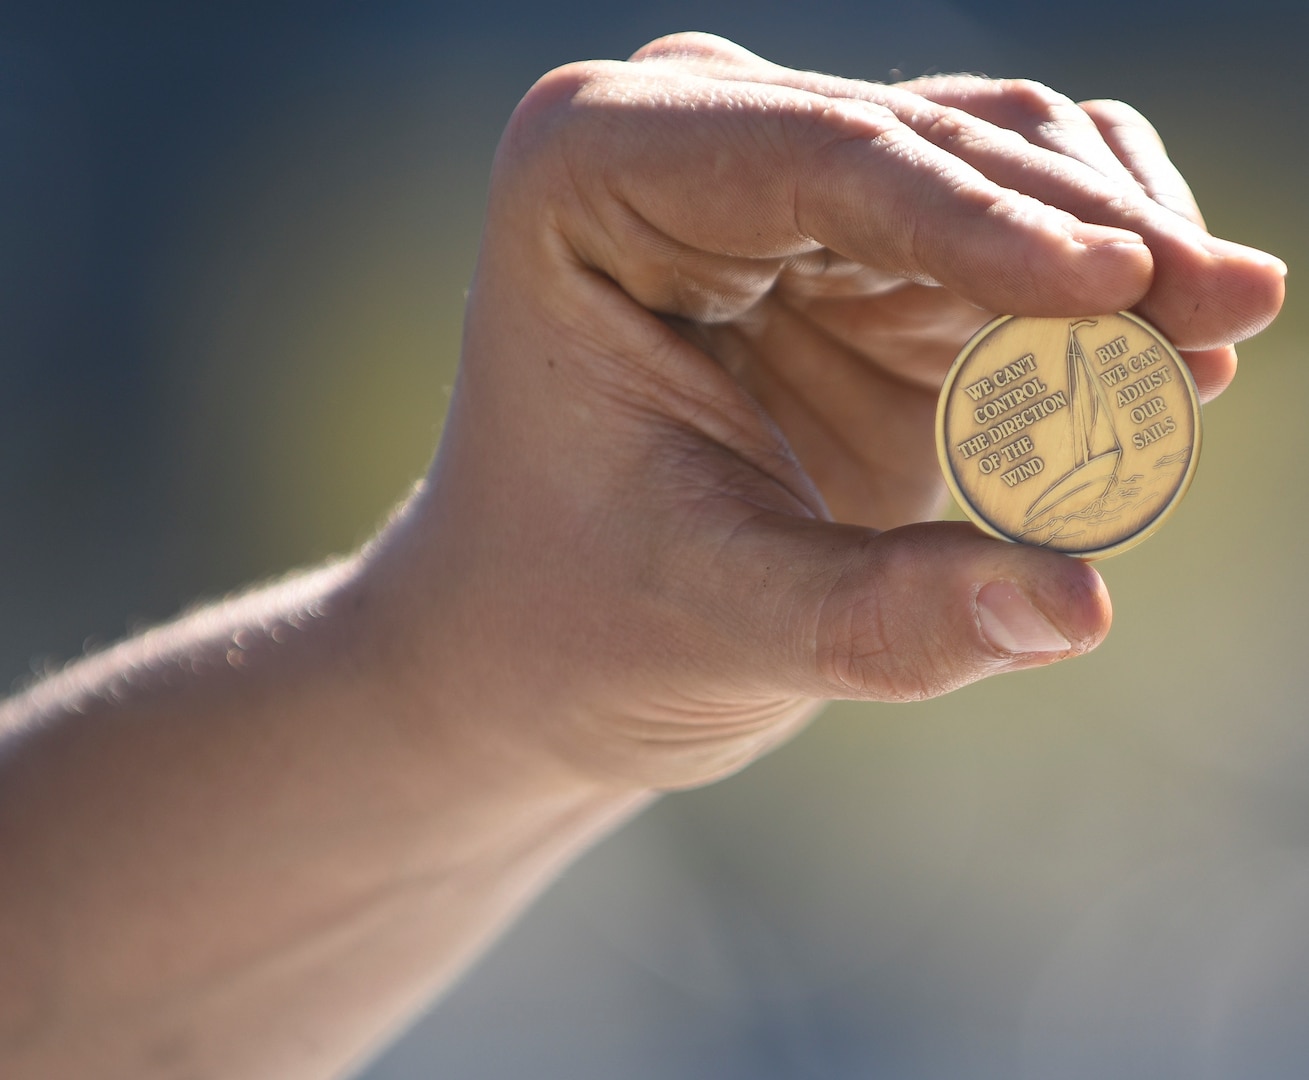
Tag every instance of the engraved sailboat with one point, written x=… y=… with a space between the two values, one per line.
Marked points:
x=1095 y=445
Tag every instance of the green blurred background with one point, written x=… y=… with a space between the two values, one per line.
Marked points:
x=233 y=246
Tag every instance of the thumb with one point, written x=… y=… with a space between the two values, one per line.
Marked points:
x=913 y=612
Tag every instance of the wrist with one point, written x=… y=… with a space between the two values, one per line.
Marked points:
x=474 y=719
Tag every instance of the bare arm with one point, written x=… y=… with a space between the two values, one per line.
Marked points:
x=674 y=510
x=235 y=843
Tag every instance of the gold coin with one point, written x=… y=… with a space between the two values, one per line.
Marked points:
x=1079 y=435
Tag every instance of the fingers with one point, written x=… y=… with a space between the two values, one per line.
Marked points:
x=1102 y=162
x=1042 y=116
x=912 y=333
x=1206 y=292
x=862 y=435
x=1134 y=141
x=911 y=613
x=1108 y=165
x=710 y=178
x=1255 y=280
x=936 y=217
x=1212 y=369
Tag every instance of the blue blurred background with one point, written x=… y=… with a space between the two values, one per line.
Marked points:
x=234 y=240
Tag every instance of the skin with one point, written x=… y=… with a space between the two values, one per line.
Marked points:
x=683 y=497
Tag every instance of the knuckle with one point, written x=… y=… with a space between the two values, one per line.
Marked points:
x=1037 y=106
x=562 y=117
x=688 y=45
x=948 y=128
x=813 y=127
x=867 y=647
x=1113 y=114
x=546 y=105
x=960 y=133
x=1115 y=110
x=851 y=643
x=1032 y=97
x=566 y=92
x=1047 y=110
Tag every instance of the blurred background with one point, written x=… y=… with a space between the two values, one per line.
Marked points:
x=234 y=240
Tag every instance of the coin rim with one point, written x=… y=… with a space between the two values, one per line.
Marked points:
x=1090 y=554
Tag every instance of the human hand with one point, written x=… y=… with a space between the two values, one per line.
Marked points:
x=674 y=503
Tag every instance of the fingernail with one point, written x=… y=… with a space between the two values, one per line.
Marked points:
x=1012 y=625
x=1097 y=236
x=1263 y=258
x=1228 y=249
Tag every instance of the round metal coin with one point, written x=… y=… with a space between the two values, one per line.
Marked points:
x=1078 y=435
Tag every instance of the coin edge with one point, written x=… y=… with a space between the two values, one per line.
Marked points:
x=979 y=519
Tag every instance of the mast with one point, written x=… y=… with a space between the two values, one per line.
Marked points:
x=1084 y=396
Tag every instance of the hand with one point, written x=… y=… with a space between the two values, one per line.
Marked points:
x=673 y=510
x=693 y=426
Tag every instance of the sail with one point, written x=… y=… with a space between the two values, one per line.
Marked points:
x=1097 y=429
x=1095 y=446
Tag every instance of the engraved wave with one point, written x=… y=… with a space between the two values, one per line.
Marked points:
x=1129 y=494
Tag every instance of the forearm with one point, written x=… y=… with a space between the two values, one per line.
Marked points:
x=235 y=845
